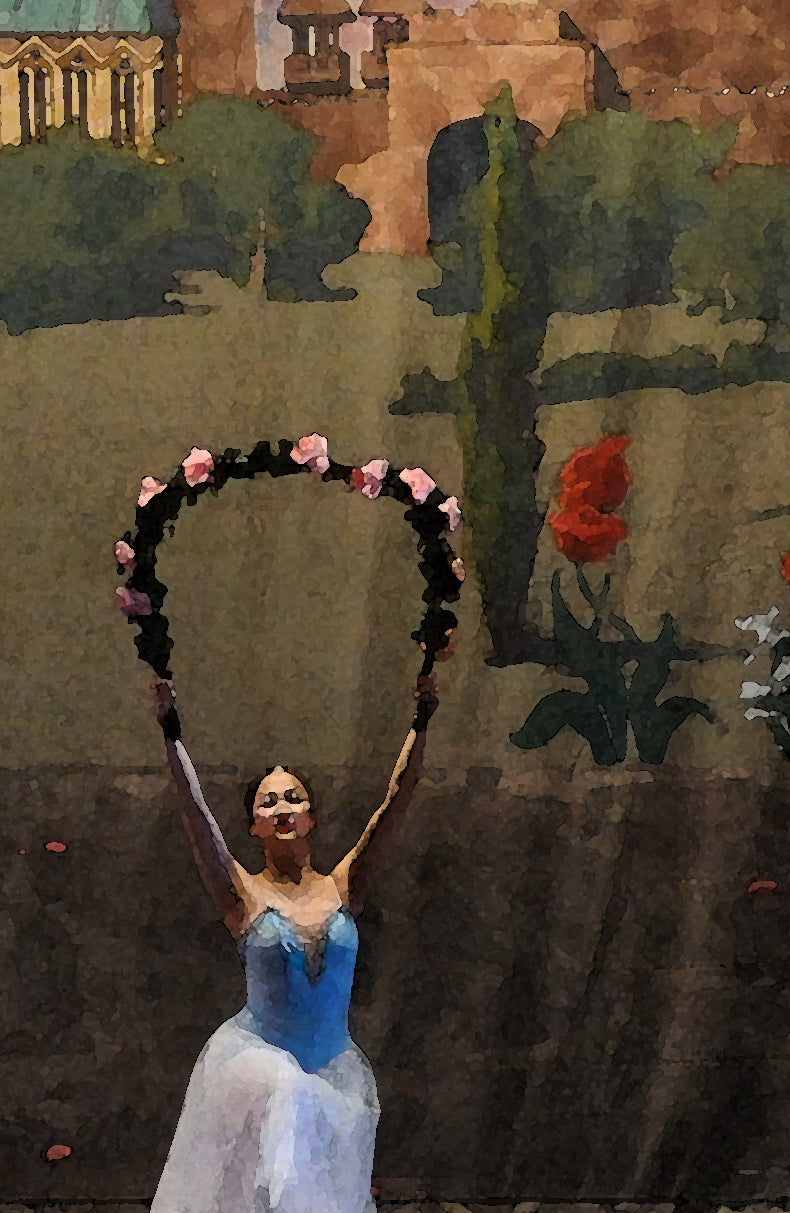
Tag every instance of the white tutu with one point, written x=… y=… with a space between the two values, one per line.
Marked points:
x=259 y=1135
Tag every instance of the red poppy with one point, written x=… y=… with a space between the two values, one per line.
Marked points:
x=357 y=480
x=596 y=476
x=587 y=535
x=786 y=567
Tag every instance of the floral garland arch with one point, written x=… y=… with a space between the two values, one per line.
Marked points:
x=429 y=511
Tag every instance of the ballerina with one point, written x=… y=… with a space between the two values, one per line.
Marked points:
x=281 y=1110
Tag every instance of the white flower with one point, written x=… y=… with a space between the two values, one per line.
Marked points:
x=782 y=671
x=753 y=690
x=762 y=625
x=753 y=713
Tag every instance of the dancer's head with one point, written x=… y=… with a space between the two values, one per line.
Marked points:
x=281 y=810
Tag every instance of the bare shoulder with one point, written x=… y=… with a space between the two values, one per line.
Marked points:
x=248 y=898
x=340 y=876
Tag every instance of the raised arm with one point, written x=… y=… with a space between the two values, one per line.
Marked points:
x=353 y=875
x=223 y=877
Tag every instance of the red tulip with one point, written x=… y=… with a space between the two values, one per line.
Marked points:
x=596 y=476
x=586 y=535
x=786 y=567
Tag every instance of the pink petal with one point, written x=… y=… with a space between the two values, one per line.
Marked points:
x=374 y=473
x=58 y=847
x=419 y=482
x=124 y=554
x=197 y=466
x=313 y=451
x=458 y=568
x=55 y=1153
x=763 y=886
x=133 y=603
x=451 y=509
x=149 y=487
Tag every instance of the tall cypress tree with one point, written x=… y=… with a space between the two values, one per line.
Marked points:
x=495 y=401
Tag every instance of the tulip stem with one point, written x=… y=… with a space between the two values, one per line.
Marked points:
x=596 y=601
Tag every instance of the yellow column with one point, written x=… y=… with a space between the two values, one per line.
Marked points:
x=145 y=104
x=99 y=102
x=58 y=111
x=10 y=128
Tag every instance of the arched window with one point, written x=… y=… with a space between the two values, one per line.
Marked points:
x=123 y=89
x=75 y=94
x=35 y=100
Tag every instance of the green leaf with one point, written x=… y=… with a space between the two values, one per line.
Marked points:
x=654 y=724
x=651 y=675
x=572 y=709
x=585 y=654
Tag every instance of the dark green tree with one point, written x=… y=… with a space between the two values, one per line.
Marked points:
x=589 y=221
x=492 y=395
x=737 y=256
x=616 y=191
x=91 y=231
x=240 y=166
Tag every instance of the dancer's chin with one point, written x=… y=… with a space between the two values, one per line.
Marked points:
x=286 y=837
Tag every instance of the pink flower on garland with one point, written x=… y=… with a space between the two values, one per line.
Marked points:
x=124 y=554
x=458 y=568
x=149 y=487
x=451 y=508
x=369 y=479
x=197 y=466
x=313 y=452
x=419 y=482
x=133 y=603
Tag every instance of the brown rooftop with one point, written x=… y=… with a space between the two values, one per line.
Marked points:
x=391 y=8
x=316 y=8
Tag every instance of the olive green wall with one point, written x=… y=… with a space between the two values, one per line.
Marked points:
x=292 y=602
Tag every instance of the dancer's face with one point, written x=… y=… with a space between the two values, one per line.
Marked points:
x=281 y=811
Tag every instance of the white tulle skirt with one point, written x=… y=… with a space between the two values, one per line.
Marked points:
x=259 y=1135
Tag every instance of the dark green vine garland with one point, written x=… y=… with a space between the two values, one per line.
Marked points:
x=145 y=593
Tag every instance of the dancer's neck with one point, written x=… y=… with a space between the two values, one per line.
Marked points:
x=288 y=869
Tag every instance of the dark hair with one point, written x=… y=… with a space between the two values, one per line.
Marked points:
x=254 y=784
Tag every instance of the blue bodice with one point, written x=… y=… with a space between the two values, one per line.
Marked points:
x=293 y=1003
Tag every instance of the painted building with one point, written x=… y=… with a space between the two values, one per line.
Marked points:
x=108 y=66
